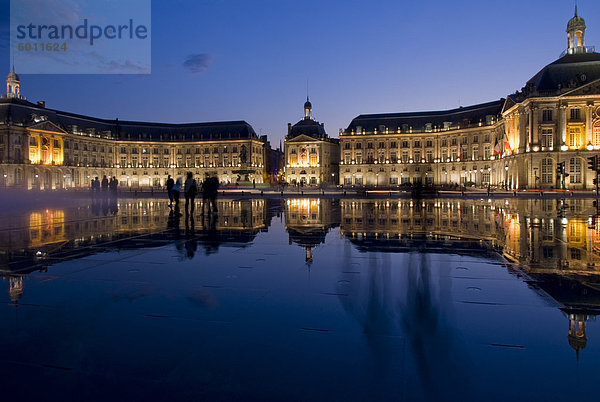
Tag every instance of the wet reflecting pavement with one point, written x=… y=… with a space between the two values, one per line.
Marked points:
x=301 y=299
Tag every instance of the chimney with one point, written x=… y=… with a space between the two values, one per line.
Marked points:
x=289 y=128
x=41 y=103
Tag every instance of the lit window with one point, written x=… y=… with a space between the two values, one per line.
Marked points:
x=547 y=134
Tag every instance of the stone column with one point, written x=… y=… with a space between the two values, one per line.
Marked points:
x=588 y=122
x=535 y=130
x=562 y=124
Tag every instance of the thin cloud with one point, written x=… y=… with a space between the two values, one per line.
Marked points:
x=198 y=63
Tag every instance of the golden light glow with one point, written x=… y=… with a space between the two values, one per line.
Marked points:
x=45 y=149
x=46 y=227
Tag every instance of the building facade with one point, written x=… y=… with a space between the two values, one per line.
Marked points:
x=445 y=147
x=311 y=155
x=539 y=137
x=552 y=125
x=46 y=149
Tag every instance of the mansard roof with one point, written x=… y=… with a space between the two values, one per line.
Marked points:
x=24 y=113
x=565 y=74
x=468 y=116
x=308 y=127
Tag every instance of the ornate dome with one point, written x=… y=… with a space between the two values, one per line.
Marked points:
x=307 y=104
x=576 y=23
x=577 y=343
x=12 y=76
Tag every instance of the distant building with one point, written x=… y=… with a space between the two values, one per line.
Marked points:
x=311 y=156
x=42 y=148
x=443 y=147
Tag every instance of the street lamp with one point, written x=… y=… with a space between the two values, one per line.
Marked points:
x=377 y=178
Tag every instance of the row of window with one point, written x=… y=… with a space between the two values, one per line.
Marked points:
x=416 y=156
x=417 y=143
x=574 y=114
x=166 y=151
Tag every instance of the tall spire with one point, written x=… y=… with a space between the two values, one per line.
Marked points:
x=576 y=34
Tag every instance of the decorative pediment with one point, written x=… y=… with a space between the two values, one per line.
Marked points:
x=303 y=138
x=592 y=88
x=508 y=103
x=47 y=127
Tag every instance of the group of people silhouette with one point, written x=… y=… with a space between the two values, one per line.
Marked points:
x=105 y=185
x=209 y=189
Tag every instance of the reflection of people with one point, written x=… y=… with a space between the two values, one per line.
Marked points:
x=210 y=189
x=173 y=221
x=191 y=244
x=210 y=235
x=190 y=191
x=170 y=183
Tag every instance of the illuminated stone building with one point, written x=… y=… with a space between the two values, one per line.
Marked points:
x=452 y=146
x=42 y=148
x=514 y=143
x=311 y=155
x=555 y=119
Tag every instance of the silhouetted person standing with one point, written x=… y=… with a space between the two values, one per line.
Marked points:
x=170 y=184
x=175 y=191
x=190 y=191
x=96 y=185
x=114 y=183
x=104 y=184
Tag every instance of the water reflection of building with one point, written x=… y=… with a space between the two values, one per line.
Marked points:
x=555 y=241
x=308 y=220
x=383 y=223
x=31 y=240
x=552 y=235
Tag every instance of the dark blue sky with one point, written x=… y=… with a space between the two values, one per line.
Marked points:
x=359 y=57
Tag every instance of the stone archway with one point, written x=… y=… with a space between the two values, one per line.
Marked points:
x=3 y=177
x=47 y=179
x=36 y=179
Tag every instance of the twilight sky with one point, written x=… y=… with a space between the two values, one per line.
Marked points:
x=250 y=59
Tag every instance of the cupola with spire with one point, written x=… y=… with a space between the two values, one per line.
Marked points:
x=575 y=35
x=307 y=109
x=13 y=85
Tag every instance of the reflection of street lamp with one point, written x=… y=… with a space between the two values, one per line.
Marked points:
x=481 y=177
x=377 y=179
